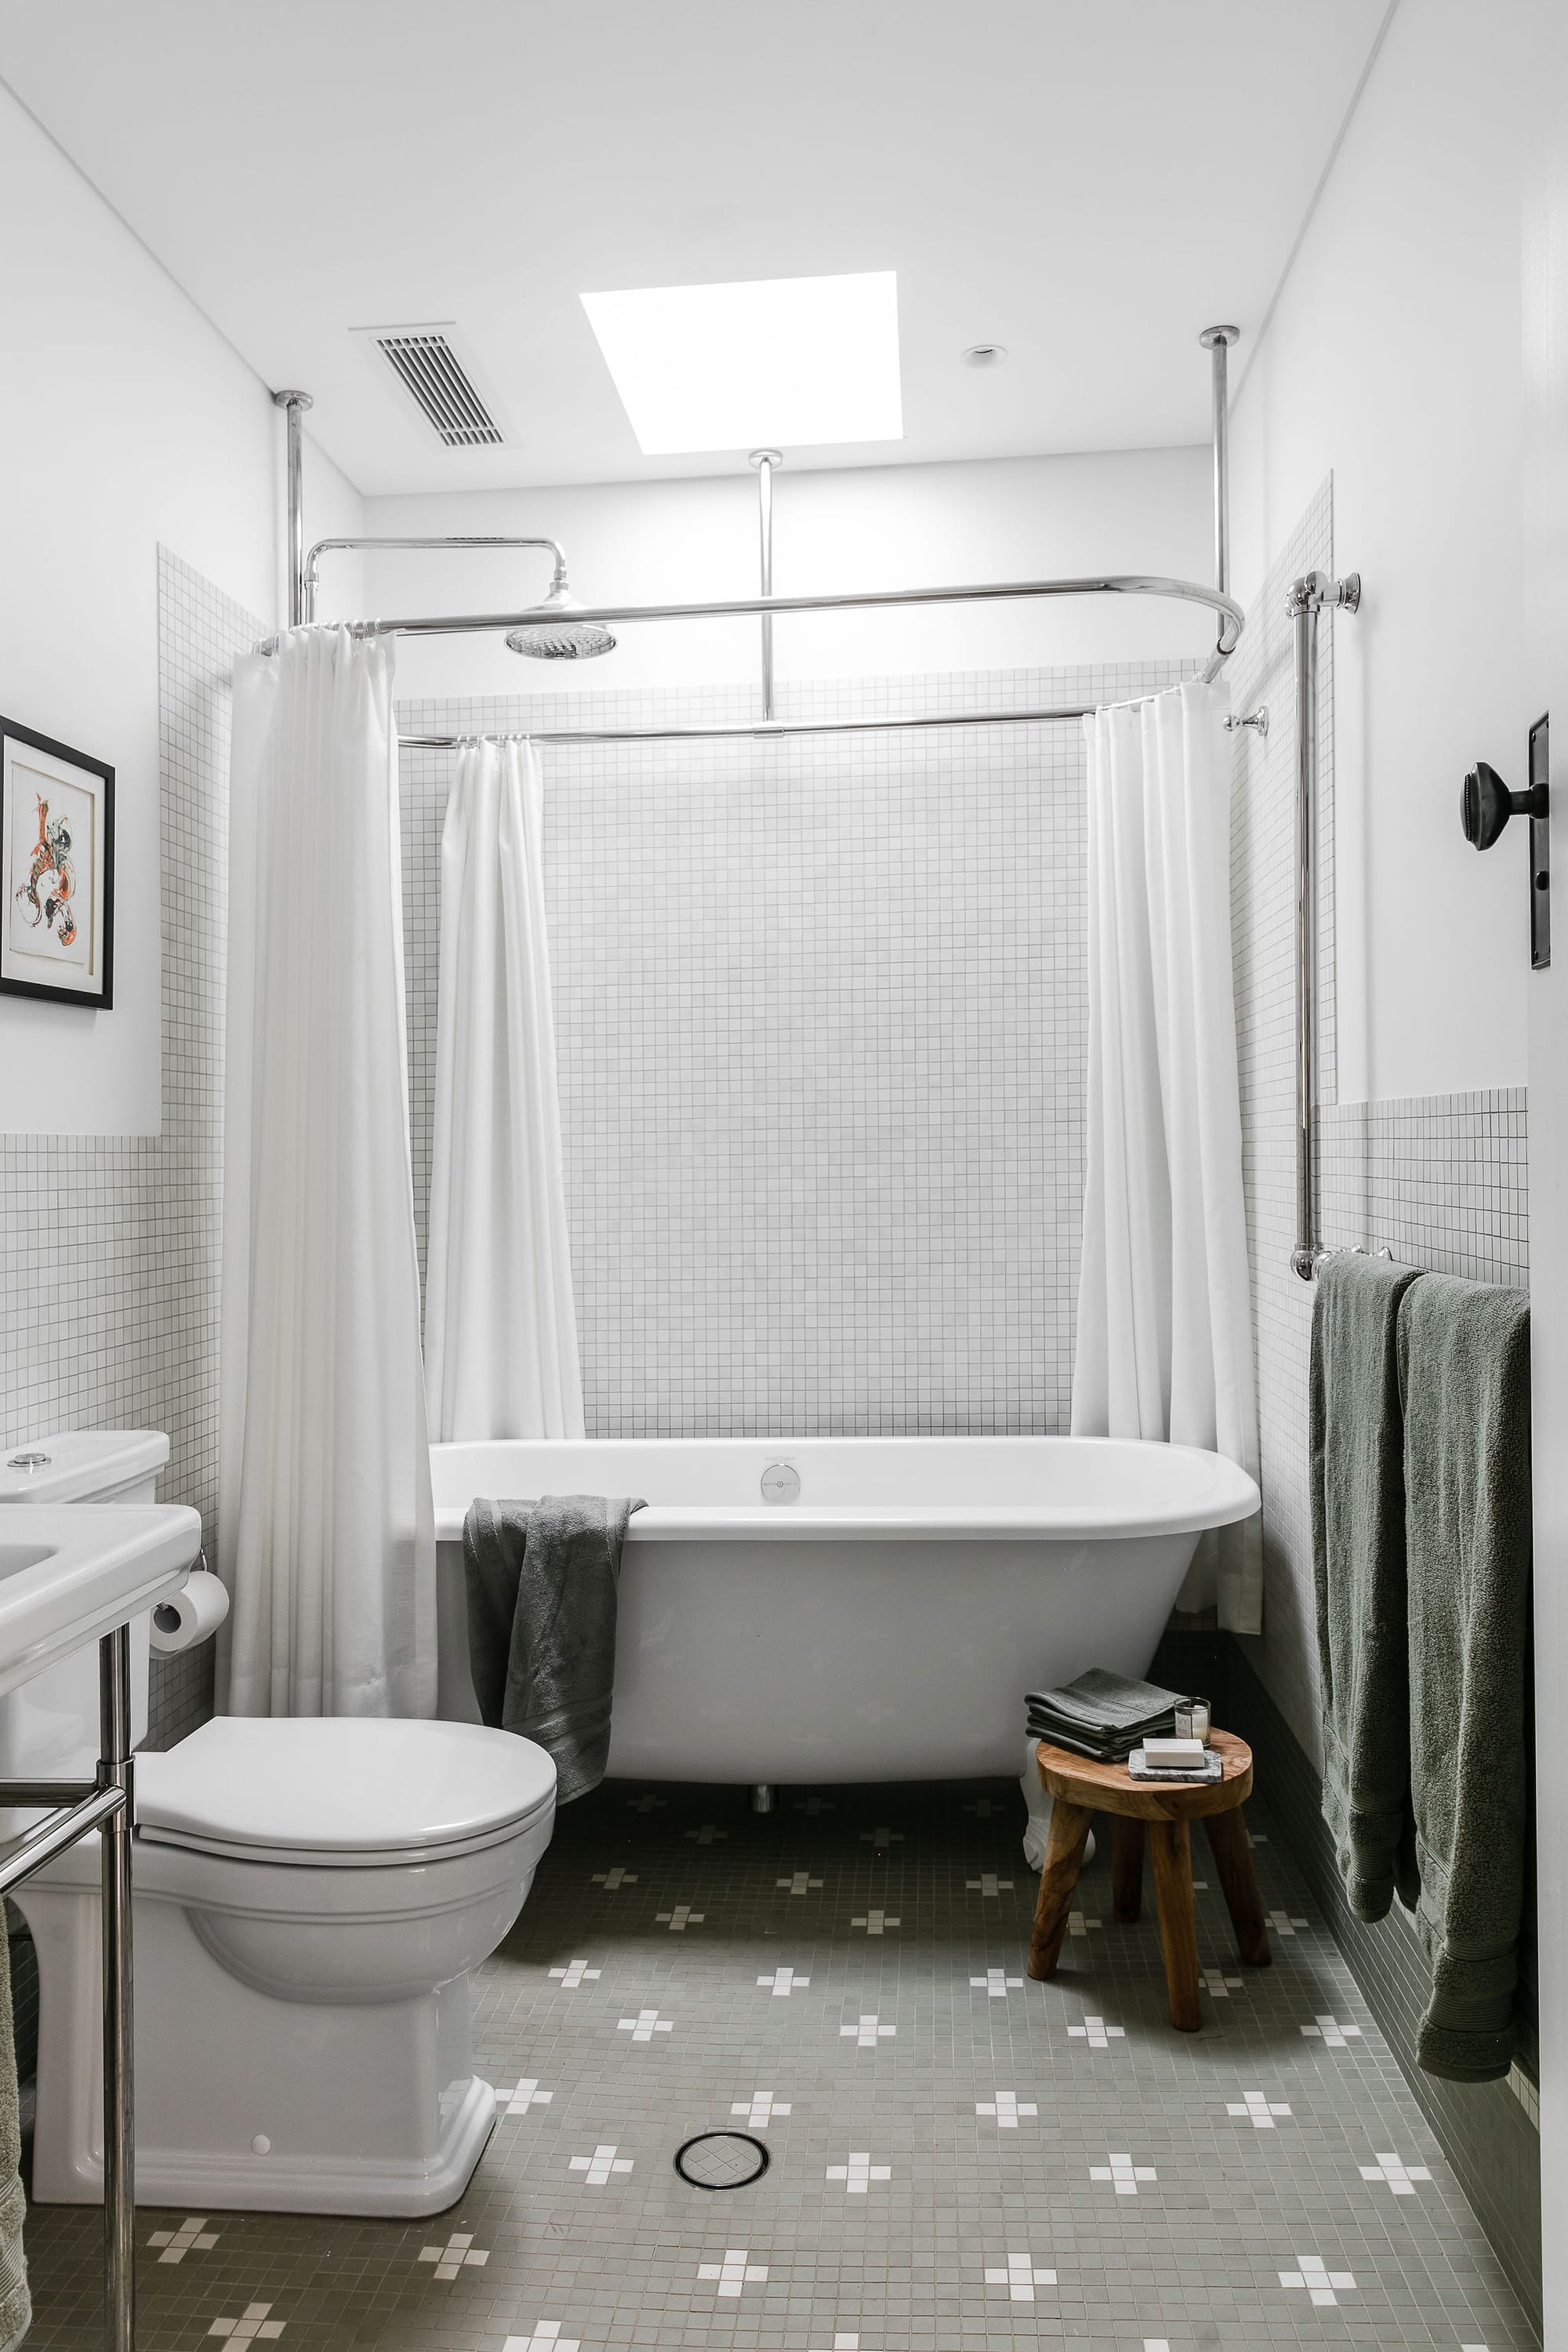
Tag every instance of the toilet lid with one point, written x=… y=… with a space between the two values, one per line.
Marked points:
x=342 y=1788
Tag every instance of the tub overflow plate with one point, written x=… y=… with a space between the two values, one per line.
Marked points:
x=781 y=1482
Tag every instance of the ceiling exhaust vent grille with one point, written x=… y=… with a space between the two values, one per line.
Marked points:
x=440 y=383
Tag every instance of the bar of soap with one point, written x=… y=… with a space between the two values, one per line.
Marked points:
x=1167 y=1754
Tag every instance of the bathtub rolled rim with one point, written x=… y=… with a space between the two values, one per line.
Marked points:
x=1221 y=1495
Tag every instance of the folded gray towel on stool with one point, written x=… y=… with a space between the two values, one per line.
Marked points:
x=1102 y=1715
x=541 y=1582
x=1357 y=1485
x=16 y=2304
x=1464 y=1365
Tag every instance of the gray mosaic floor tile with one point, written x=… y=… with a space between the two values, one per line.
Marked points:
x=959 y=2161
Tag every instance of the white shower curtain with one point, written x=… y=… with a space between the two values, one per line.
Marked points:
x=1165 y=1316
x=326 y=1525
x=500 y=1329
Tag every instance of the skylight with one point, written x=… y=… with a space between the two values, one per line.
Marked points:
x=791 y=361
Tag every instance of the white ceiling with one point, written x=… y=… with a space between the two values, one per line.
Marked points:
x=1088 y=183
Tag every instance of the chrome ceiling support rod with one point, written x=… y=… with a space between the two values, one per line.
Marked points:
x=765 y=460
x=294 y=405
x=1217 y=341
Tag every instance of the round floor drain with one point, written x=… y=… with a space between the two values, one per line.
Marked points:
x=721 y=2159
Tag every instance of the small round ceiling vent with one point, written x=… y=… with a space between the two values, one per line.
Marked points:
x=985 y=355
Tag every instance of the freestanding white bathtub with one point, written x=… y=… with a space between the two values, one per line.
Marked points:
x=883 y=1617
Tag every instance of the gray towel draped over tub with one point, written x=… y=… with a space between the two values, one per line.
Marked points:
x=1421 y=1547
x=16 y=2306
x=541 y=1580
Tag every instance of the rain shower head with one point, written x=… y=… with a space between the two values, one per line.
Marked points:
x=563 y=637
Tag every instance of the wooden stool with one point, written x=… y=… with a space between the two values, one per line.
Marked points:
x=1160 y=1810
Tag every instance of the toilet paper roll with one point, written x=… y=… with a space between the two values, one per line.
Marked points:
x=193 y=1615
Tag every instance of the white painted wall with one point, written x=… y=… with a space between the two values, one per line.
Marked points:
x=125 y=420
x=1148 y=510
x=1392 y=360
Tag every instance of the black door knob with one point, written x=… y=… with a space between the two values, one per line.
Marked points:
x=1485 y=804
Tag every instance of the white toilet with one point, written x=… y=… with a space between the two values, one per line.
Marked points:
x=310 y=1897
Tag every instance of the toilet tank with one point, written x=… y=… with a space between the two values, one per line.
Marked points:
x=48 y=1727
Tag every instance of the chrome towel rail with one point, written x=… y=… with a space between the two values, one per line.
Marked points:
x=1309 y=596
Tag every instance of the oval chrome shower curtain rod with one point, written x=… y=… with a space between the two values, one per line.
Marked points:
x=542 y=621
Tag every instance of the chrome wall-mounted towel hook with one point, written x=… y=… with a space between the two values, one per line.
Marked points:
x=1257 y=719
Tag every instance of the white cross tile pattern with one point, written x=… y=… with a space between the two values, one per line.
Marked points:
x=799 y=1884
x=522 y=2096
x=1324 y=2287
x=1400 y=2176
x=1285 y=1923
x=1219 y=1986
x=734 y=2271
x=546 y=2337
x=1021 y=2277
x=645 y=1804
x=576 y=1973
x=866 y=2033
x=597 y=2168
x=988 y=1883
x=997 y=1984
x=708 y=1835
x=983 y=1808
x=882 y=1836
x=1124 y=2173
x=610 y=1879
x=845 y=2342
x=460 y=2253
x=1097 y=2033
x=645 y=2025
x=680 y=1918
x=1258 y=2110
x=193 y=2236
x=253 y=2322
x=859 y=2172
x=1332 y=2033
x=1006 y=2107
x=783 y=1982
x=760 y=2109
x=877 y=1923
x=1079 y=1923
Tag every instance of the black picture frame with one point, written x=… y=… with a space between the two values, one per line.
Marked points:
x=100 y=998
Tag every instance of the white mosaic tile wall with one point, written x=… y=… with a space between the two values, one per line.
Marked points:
x=109 y=1245
x=1441 y=1181
x=820 y=1017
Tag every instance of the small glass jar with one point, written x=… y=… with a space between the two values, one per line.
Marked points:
x=1193 y=1719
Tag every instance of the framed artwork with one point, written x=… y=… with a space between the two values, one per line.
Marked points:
x=57 y=859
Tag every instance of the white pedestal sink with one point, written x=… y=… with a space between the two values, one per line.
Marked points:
x=71 y=1574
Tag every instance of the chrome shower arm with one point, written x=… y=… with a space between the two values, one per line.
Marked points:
x=311 y=573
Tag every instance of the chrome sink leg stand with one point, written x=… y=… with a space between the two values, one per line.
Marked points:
x=77 y=1809
x=116 y=1769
